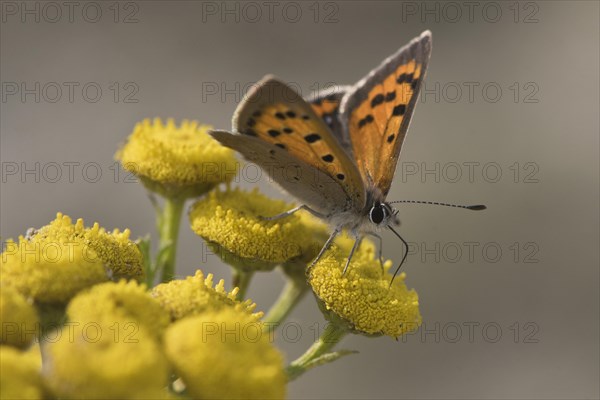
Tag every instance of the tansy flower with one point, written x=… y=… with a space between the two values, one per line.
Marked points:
x=119 y=254
x=121 y=360
x=225 y=355
x=362 y=298
x=122 y=302
x=50 y=270
x=18 y=318
x=230 y=221
x=20 y=377
x=176 y=161
x=196 y=294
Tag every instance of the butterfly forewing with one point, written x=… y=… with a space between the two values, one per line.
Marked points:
x=274 y=114
x=312 y=187
x=377 y=111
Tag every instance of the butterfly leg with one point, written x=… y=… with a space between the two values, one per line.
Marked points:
x=354 y=247
x=326 y=246
x=292 y=211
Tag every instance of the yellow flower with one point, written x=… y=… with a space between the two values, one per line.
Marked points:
x=58 y=260
x=196 y=294
x=111 y=303
x=50 y=271
x=230 y=221
x=225 y=355
x=18 y=318
x=110 y=346
x=121 y=360
x=120 y=255
x=20 y=376
x=176 y=161
x=363 y=298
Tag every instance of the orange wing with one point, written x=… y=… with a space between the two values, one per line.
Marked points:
x=274 y=113
x=378 y=110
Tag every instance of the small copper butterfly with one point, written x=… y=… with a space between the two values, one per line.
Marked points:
x=337 y=152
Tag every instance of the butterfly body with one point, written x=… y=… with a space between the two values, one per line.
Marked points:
x=337 y=152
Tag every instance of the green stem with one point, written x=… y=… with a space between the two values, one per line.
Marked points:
x=328 y=339
x=241 y=280
x=168 y=226
x=293 y=291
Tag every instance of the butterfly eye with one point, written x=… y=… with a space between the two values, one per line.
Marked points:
x=377 y=214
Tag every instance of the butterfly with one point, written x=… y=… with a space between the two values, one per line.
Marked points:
x=336 y=152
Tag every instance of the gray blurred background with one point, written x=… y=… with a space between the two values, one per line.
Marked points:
x=509 y=296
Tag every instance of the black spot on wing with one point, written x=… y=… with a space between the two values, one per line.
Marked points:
x=280 y=145
x=340 y=177
x=390 y=96
x=288 y=130
x=291 y=114
x=313 y=137
x=404 y=78
x=327 y=158
x=365 y=120
x=280 y=115
x=377 y=100
x=390 y=138
x=273 y=133
x=400 y=109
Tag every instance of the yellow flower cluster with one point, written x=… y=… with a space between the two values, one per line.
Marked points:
x=196 y=294
x=362 y=297
x=112 y=337
x=176 y=160
x=216 y=343
x=62 y=258
x=232 y=222
x=118 y=342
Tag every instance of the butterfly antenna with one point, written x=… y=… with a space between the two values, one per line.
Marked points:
x=403 y=257
x=476 y=207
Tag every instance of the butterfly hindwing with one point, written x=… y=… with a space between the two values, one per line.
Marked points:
x=326 y=104
x=376 y=113
x=274 y=114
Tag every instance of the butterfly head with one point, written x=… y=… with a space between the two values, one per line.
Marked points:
x=382 y=214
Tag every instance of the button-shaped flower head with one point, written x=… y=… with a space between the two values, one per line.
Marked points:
x=110 y=346
x=225 y=355
x=176 y=161
x=197 y=294
x=58 y=260
x=362 y=298
x=233 y=224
